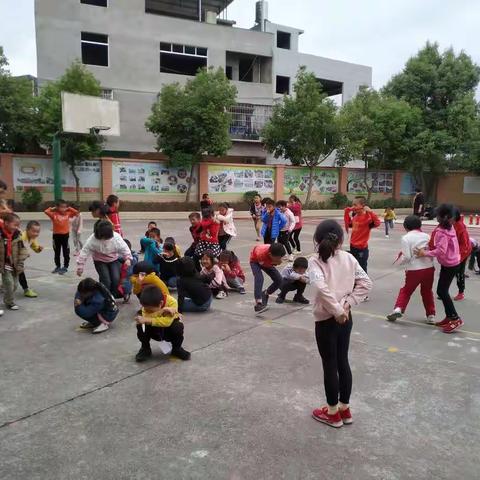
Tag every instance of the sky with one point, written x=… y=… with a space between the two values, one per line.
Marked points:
x=380 y=33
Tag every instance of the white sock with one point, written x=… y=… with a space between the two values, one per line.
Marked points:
x=343 y=406
x=397 y=310
x=332 y=410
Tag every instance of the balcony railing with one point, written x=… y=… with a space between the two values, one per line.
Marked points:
x=248 y=121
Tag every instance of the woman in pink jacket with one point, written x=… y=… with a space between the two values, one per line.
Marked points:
x=339 y=283
x=447 y=252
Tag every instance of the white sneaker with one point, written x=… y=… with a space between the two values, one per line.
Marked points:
x=101 y=328
x=387 y=236
x=1 y=312
x=221 y=295
x=430 y=320
x=290 y=257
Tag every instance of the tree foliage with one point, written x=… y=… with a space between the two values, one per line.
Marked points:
x=193 y=120
x=17 y=132
x=441 y=85
x=303 y=128
x=373 y=127
x=75 y=147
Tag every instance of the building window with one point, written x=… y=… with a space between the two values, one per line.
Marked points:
x=107 y=94
x=182 y=59
x=96 y=3
x=229 y=72
x=283 y=40
x=283 y=85
x=248 y=120
x=95 y=49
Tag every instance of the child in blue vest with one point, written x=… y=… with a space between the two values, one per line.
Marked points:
x=273 y=222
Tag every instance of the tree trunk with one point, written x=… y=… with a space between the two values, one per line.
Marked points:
x=310 y=186
x=368 y=187
x=77 y=183
x=189 y=187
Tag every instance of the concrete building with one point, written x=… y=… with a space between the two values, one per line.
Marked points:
x=133 y=47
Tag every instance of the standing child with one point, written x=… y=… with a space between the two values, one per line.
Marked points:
x=29 y=237
x=214 y=274
x=273 y=222
x=256 y=210
x=284 y=237
x=444 y=247
x=264 y=258
x=167 y=262
x=195 y=230
x=465 y=246
x=224 y=218
x=113 y=204
x=150 y=226
x=389 y=218
x=208 y=235
x=206 y=202
x=232 y=269
x=159 y=320
x=144 y=275
x=96 y=305
x=418 y=271
x=194 y=295
x=295 y=277
x=12 y=257
x=339 y=283
x=361 y=224
x=60 y=216
x=76 y=229
x=126 y=271
x=106 y=248
x=99 y=210
x=152 y=245
x=295 y=205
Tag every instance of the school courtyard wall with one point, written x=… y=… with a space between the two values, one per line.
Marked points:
x=145 y=180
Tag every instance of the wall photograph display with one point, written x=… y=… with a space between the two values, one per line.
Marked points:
x=237 y=179
x=325 y=182
x=382 y=182
x=148 y=178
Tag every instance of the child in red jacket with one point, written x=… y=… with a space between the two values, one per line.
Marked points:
x=465 y=250
x=113 y=203
x=361 y=224
x=208 y=234
x=232 y=269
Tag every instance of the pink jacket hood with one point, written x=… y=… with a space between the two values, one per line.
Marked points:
x=447 y=250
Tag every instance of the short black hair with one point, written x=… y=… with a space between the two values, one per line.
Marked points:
x=227 y=256
x=152 y=223
x=143 y=267
x=111 y=199
x=418 y=190
x=281 y=203
x=9 y=217
x=195 y=215
x=412 y=222
x=207 y=212
x=269 y=201
x=103 y=230
x=205 y=195
x=186 y=267
x=155 y=231
x=300 y=262
x=87 y=285
x=60 y=201
x=151 y=296
x=361 y=199
x=168 y=247
x=277 y=250
x=32 y=223
x=170 y=240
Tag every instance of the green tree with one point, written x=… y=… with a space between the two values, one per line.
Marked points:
x=441 y=85
x=372 y=129
x=193 y=120
x=17 y=132
x=303 y=128
x=75 y=147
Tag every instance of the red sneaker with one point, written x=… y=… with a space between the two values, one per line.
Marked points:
x=444 y=322
x=459 y=297
x=322 y=415
x=453 y=325
x=346 y=416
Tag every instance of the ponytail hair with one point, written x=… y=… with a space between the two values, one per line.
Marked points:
x=328 y=237
x=445 y=214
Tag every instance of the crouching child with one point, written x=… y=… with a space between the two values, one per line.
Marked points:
x=294 y=278
x=159 y=320
x=96 y=305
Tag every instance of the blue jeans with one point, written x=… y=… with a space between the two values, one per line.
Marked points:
x=388 y=226
x=272 y=272
x=172 y=282
x=189 y=306
x=235 y=283
x=361 y=254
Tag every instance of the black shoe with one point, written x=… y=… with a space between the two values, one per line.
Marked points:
x=280 y=299
x=143 y=354
x=260 y=308
x=265 y=297
x=181 y=353
x=301 y=299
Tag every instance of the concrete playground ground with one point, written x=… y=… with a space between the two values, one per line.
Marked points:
x=77 y=406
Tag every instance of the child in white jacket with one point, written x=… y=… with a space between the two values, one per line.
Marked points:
x=285 y=232
x=106 y=248
x=339 y=283
x=224 y=217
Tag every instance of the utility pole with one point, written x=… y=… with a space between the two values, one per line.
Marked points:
x=57 y=168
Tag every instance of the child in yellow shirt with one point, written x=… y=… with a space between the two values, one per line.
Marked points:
x=29 y=238
x=389 y=218
x=159 y=320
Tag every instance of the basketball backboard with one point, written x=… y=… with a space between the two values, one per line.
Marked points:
x=81 y=113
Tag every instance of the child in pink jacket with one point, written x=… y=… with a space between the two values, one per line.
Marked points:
x=339 y=283
x=446 y=250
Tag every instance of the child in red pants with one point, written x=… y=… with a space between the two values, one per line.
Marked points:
x=418 y=271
